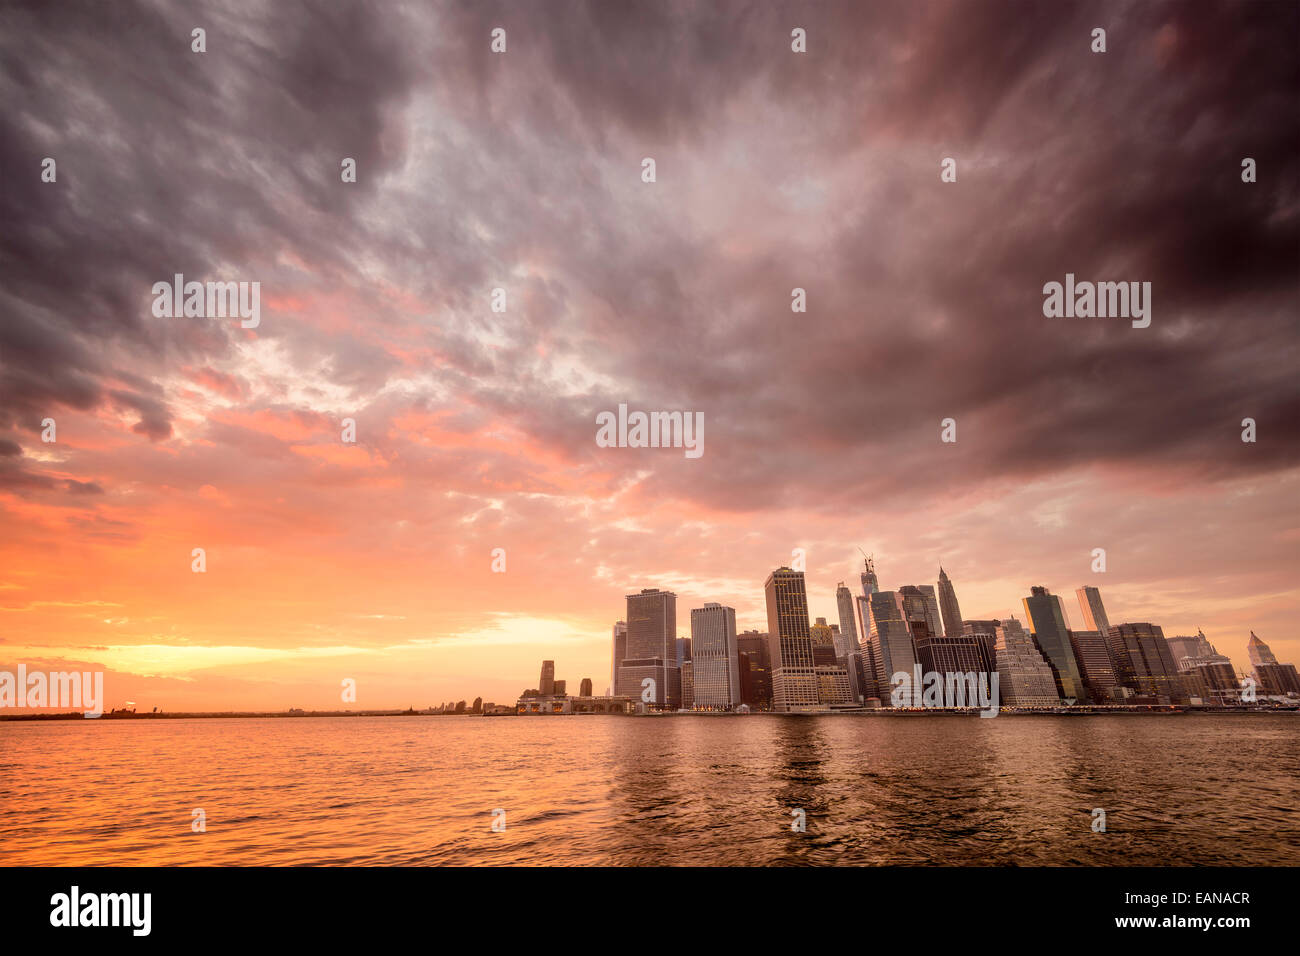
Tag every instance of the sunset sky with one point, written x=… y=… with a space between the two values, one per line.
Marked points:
x=476 y=430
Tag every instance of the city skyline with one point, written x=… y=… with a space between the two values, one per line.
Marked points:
x=476 y=523
x=654 y=635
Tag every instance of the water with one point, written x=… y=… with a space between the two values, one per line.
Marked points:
x=687 y=790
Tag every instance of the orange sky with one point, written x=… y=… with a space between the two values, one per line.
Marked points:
x=476 y=429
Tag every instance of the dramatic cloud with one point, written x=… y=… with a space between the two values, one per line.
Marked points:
x=475 y=429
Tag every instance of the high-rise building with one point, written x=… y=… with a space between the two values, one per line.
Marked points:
x=756 y=683
x=848 y=638
x=1275 y=679
x=1213 y=681
x=823 y=642
x=1094 y=613
x=715 y=656
x=652 y=649
x=1092 y=653
x=584 y=688
x=986 y=634
x=560 y=688
x=688 y=685
x=862 y=676
x=833 y=684
x=794 y=679
x=1259 y=652
x=890 y=641
x=546 y=686
x=959 y=654
x=1195 y=646
x=952 y=624
x=868 y=577
x=1278 y=679
x=1047 y=620
x=1143 y=662
x=683 y=650
x=921 y=604
x=1025 y=679
x=620 y=652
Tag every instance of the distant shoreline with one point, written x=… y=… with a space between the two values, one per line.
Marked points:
x=882 y=712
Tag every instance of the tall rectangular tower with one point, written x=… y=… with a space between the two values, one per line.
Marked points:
x=794 y=677
x=620 y=652
x=1047 y=621
x=890 y=642
x=1094 y=614
x=651 y=649
x=714 y=657
x=948 y=605
x=848 y=637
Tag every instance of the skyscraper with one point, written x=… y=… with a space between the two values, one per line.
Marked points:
x=920 y=604
x=714 y=656
x=890 y=641
x=1092 y=653
x=1260 y=653
x=1196 y=646
x=1275 y=679
x=823 y=642
x=1143 y=662
x=756 y=691
x=986 y=635
x=869 y=583
x=848 y=642
x=1025 y=679
x=547 y=683
x=1047 y=619
x=584 y=688
x=956 y=654
x=1094 y=614
x=620 y=652
x=683 y=650
x=948 y=605
x=651 y=648
x=794 y=678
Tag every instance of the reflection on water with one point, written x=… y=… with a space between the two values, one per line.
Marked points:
x=624 y=791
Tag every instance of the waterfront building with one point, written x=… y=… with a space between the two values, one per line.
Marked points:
x=1144 y=664
x=715 y=655
x=651 y=650
x=1025 y=679
x=794 y=680
x=756 y=682
x=1047 y=621
x=1092 y=654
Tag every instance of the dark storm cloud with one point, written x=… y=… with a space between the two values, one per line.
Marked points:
x=169 y=161
x=925 y=298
